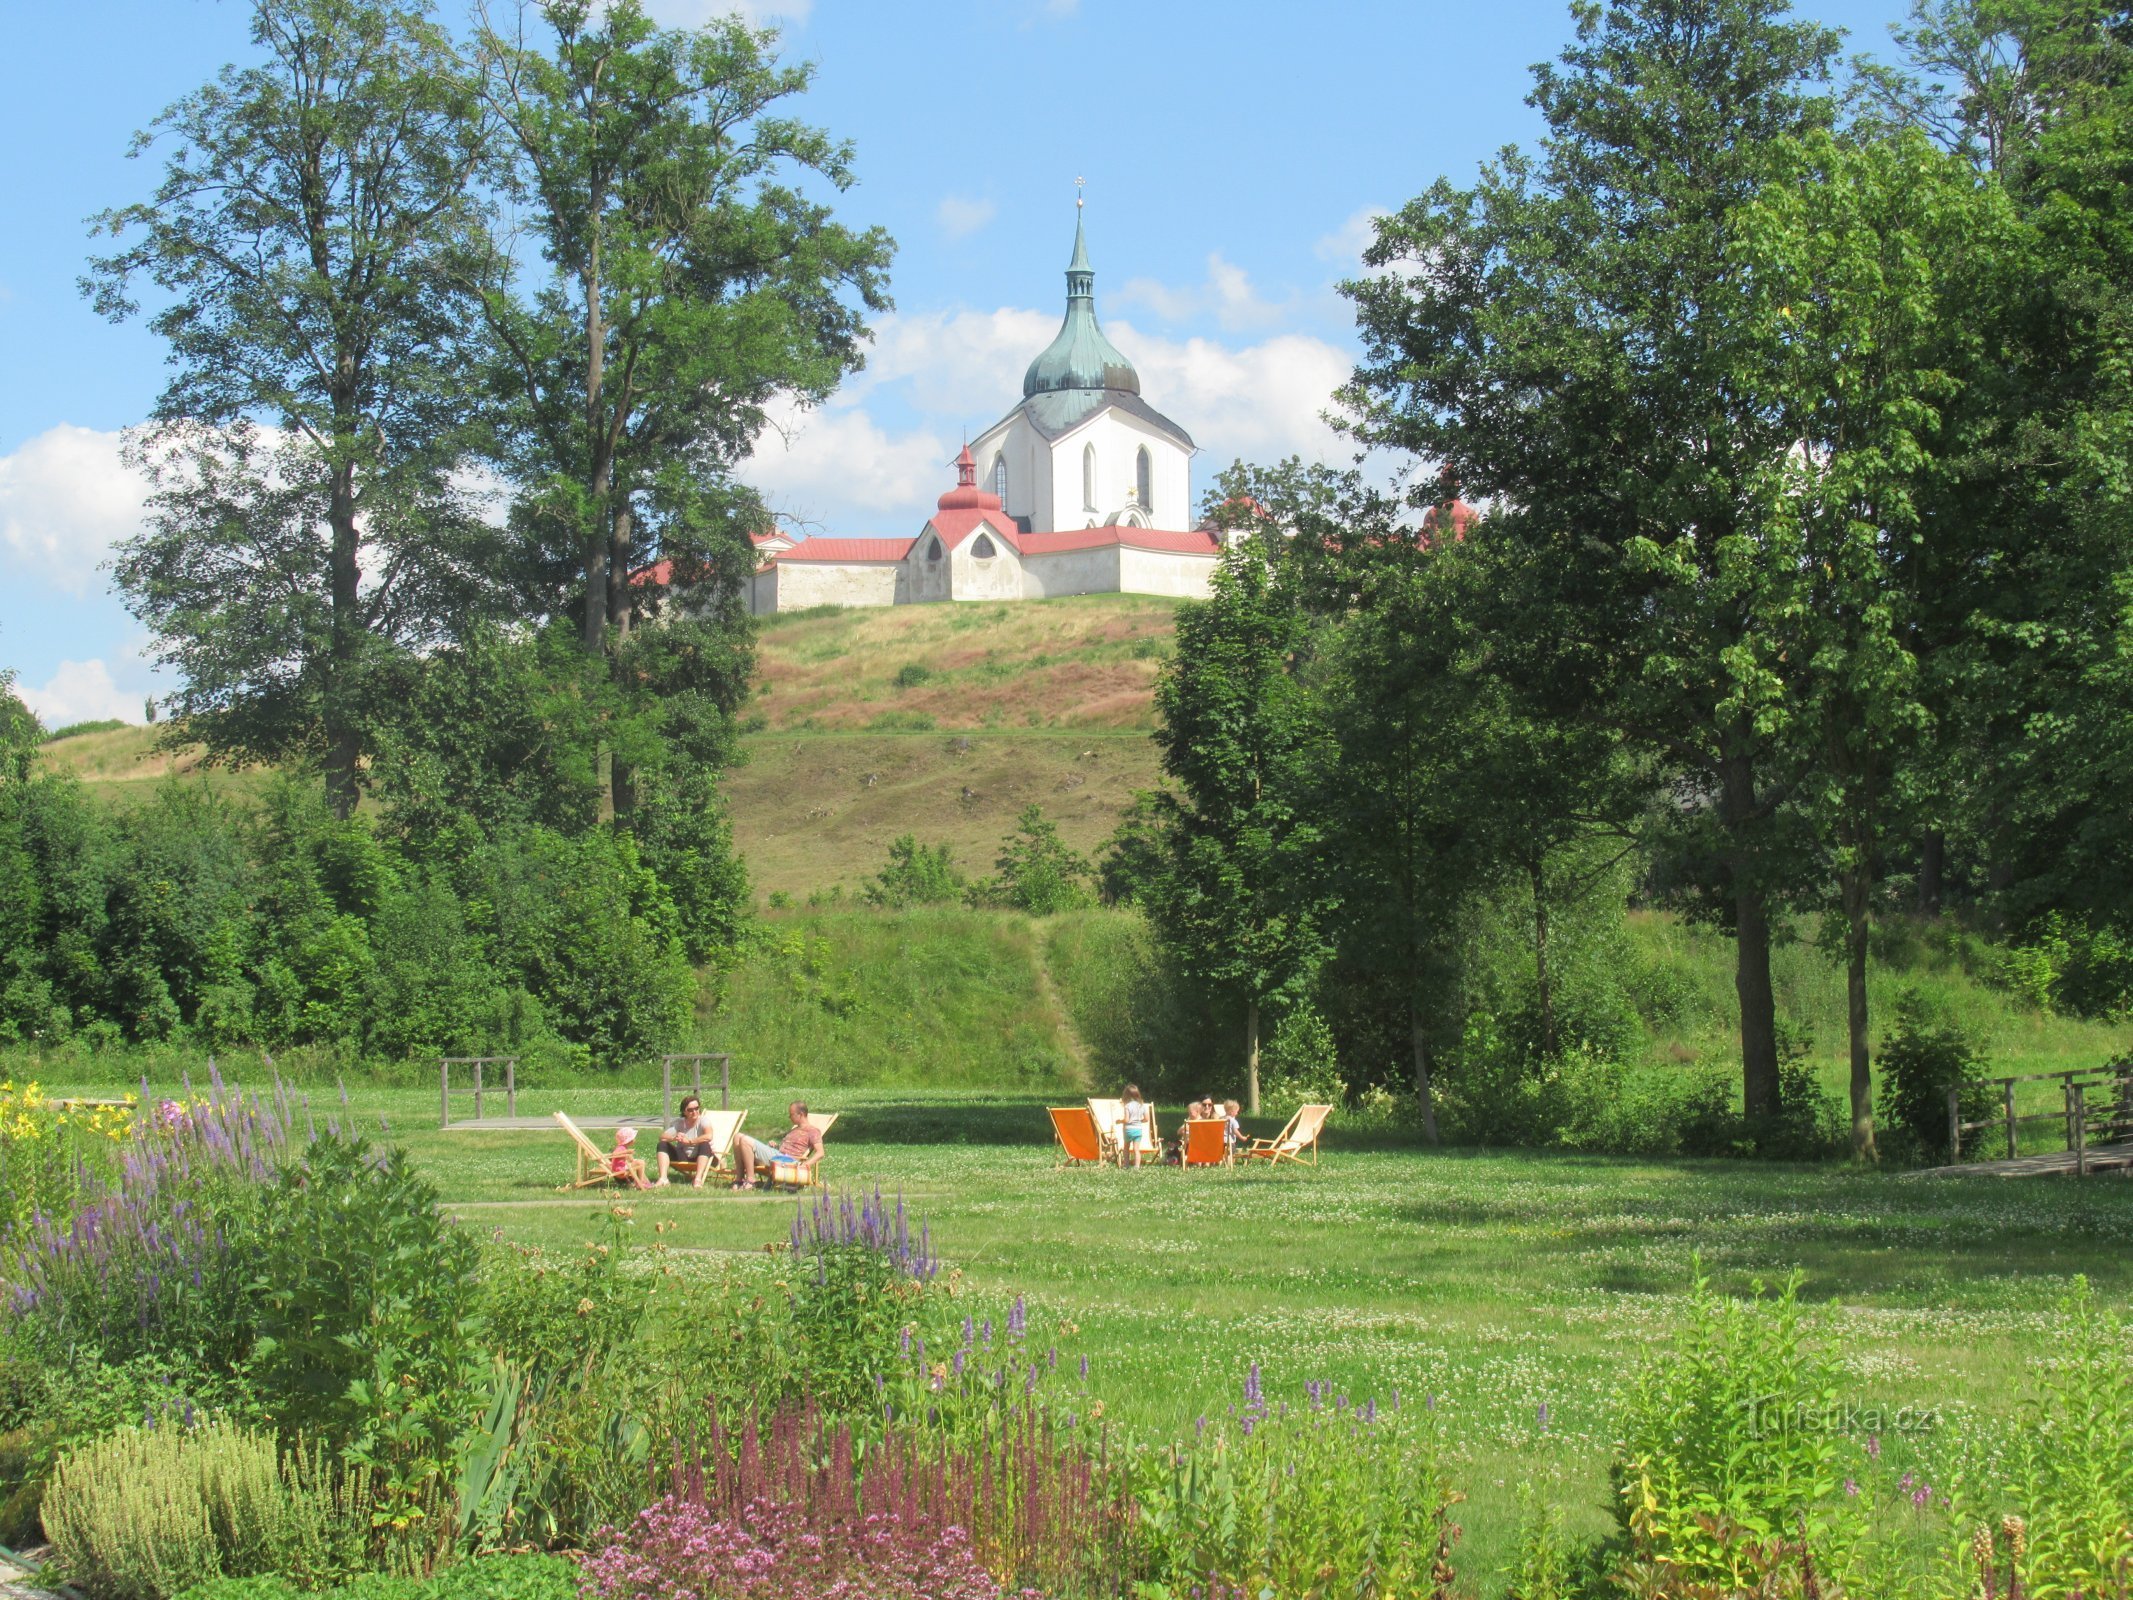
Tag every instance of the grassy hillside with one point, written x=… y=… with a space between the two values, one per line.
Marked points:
x=1085 y=663
x=943 y=722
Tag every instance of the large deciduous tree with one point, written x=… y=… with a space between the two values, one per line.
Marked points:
x=1237 y=900
x=310 y=242
x=1868 y=258
x=1573 y=336
x=689 y=282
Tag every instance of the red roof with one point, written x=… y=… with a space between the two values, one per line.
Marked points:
x=956 y=523
x=849 y=550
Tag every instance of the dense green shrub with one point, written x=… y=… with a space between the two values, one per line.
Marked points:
x=516 y=1577
x=916 y=876
x=1727 y=1472
x=1922 y=1059
x=1300 y=1065
x=1039 y=872
x=366 y=1314
x=145 y=1513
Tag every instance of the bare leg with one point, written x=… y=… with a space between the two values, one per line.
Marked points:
x=664 y=1162
x=746 y=1152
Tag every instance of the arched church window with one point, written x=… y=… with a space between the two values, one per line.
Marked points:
x=982 y=547
x=1088 y=477
x=1143 y=479
x=933 y=549
x=999 y=476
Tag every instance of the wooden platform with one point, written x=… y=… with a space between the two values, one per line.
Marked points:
x=2106 y=1160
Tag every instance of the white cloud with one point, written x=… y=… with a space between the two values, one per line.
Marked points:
x=1227 y=296
x=1345 y=245
x=960 y=217
x=66 y=498
x=1260 y=401
x=81 y=691
x=840 y=473
x=847 y=474
x=756 y=13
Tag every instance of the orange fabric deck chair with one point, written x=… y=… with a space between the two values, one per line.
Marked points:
x=1300 y=1135
x=1076 y=1128
x=1205 y=1145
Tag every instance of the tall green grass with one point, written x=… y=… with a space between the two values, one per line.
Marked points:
x=944 y=998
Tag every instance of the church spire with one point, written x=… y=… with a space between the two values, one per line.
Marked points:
x=1079 y=356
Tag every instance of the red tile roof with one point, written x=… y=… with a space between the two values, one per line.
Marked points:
x=849 y=550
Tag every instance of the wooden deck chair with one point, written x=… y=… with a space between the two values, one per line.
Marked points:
x=725 y=1125
x=1076 y=1128
x=799 y=1174
x=1206 y=1143
x=590 y=1156
x=1108 y=1115
x=1301 y=1134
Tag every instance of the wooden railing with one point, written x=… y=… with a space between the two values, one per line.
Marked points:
x=2086 y=1122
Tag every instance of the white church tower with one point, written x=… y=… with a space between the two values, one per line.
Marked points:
x=1083 y=449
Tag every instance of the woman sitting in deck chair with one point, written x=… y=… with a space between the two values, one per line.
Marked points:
x=689 y=1141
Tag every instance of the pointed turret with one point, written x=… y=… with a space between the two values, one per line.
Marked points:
x=1079 y=356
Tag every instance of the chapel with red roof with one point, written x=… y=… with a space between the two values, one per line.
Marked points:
x=1082 y=488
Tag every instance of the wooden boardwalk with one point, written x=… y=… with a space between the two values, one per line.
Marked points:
x=2102 y=1160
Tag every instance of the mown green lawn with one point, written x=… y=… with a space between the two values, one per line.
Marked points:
x=1492 y=1285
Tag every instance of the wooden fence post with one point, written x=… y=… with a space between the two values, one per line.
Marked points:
x=1955 y=1122
x=2009 y=1087
x=444 y=1094
x=2077 y=1107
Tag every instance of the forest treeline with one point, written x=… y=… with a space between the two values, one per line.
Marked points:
x=467 y=330
x=1796 y=392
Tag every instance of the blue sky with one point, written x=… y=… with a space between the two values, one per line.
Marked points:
x=1234 y=153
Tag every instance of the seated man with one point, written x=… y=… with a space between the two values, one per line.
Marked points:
x=687 y=1138
x=801 y=1143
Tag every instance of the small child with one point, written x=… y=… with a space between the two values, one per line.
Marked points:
x=1232 y=1129
x=1133 y=1126
x=622 y=1164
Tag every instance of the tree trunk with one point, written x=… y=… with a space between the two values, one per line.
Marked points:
x=1543 y=983
x=597 y=535
x=344 y=743
x=1751 y=972
x=622 y=781
x=1855 y=888
x=1932 y=868
x=1758 y=1002
x=599 y=468
x=1251 y=1056
x=1420 y=1038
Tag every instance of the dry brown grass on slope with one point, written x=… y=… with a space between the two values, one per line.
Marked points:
x=1086 y=662
x=120 y=755
x=811 y=811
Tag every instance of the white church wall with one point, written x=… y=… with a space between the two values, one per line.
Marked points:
x=837 y=583
x=927 y=580
x=998 y=577
x=1118 y=439
x=1070 y=572
x=1029 y=466
x=1165 y=572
